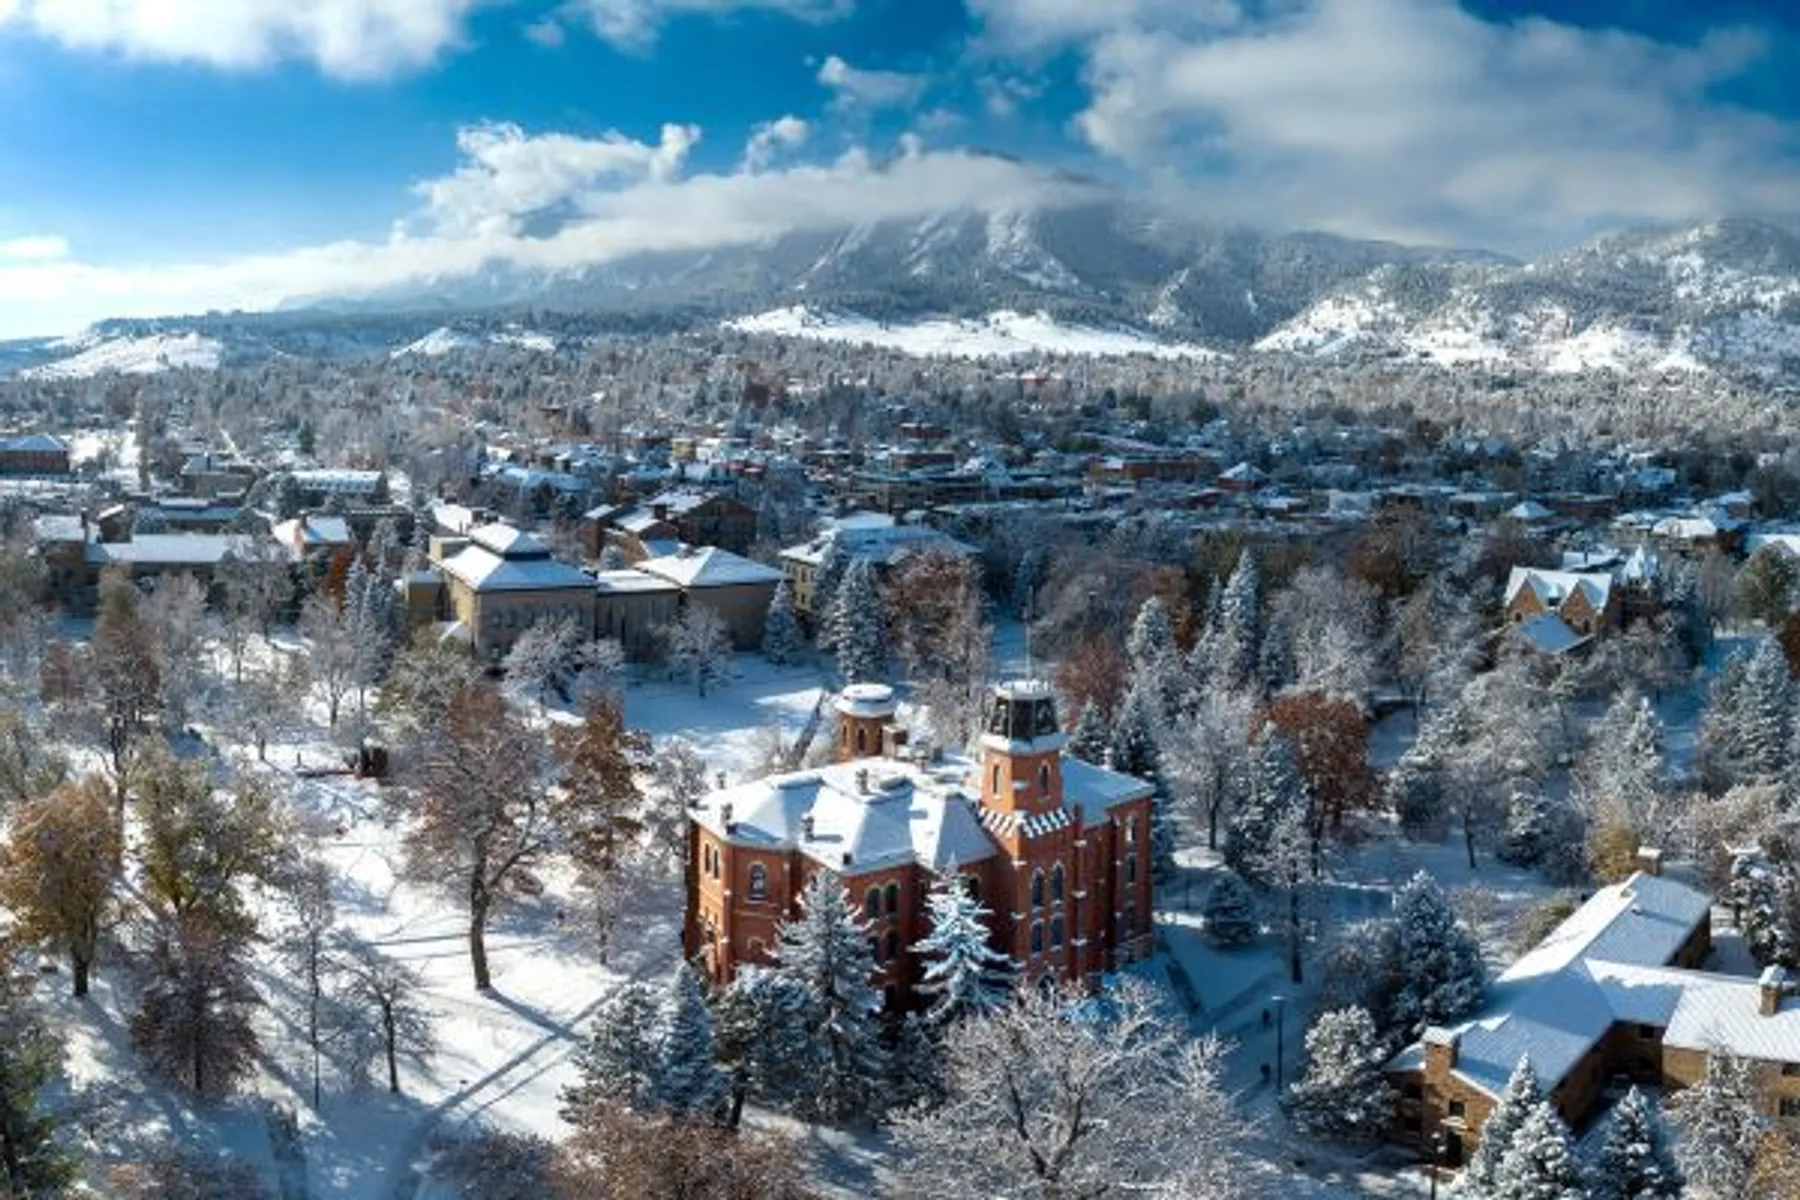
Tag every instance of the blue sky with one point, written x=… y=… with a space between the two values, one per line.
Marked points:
x=170 y=155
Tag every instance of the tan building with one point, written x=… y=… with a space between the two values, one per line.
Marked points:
x=634 y=608
x=1055 y=848
x=738 y=589
x=502 y=581
x=1612 y=997
x=874 y=536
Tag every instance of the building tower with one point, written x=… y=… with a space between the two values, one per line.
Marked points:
x=865 y=722
x=1021 y=752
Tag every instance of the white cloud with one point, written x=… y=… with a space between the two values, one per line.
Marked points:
x=355 y=39
x=853 y=86
x=546 y=32
x=634 y=23
x=508 y=175
x=472 y=221
x=771 y=138
x=1415 y=119
x=39 y=248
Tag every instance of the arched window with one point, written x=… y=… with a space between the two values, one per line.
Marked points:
x=862 y=740
x=1131 y=831
x=893 y=899
x=1037 y=889
x=996 y=788
x=872 y=903
x=893 y=945
x=1037 y=937
x=1056 y=884
x=974 y=882
x=759 y=882
x=1130 y=920
x=1044 y=779
x=1056 y=933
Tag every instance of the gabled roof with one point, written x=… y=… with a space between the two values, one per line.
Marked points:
x=34 y=443
x=170 y=549
x=1549 y=634
x=480 y=568
x=710 y=566
x=315 y=530
x=1554 y=588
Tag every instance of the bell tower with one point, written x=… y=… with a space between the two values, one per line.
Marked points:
x=865 y=715
x=1021 y=752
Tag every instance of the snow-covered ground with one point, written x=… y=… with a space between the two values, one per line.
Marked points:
x=444 y=340
x=147 y=355
x=1001 y=334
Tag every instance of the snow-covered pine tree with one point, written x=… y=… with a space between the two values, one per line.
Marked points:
x=1749 y=721
x=1090 y=737
x=36 y=1162
x=1440 y=959
x=1540 y=1164
x=964 y=975
x=1274 y=789
x=1636 y=1160
x=1229 y=911
x=1344 y=1093
x=1755 y=896
x=833 y=564
x=1155 y=662
x=1238 y=642
x=915 y=1064
x=1719 y=1126
x=613 y=559
x=826 y=952
x=620 y=1062
x=858 y=625
x=686 y=1081
x=782 y=638
x=1134 y=751
x=1522 y=1095
x=761 y=1036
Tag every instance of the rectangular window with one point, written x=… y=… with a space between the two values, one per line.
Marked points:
x=1790 y=1106
x=1457 y=1108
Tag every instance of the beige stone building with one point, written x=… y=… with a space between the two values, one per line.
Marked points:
x=501 y=581
x=737 y=588
x=1613 y=997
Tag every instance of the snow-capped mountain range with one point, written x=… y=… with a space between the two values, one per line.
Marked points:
x=1107 y=275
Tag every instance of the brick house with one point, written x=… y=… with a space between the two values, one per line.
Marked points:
x=1057 y=849
x=1612 y=997
x=699 y=518
x=34 y=454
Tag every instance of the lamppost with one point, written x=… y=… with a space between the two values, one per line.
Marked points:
x=1280 y=1002
x=1437 y=1157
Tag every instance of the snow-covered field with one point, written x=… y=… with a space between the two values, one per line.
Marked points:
x=502 y=1056
x=444 y=340
x=1002 y=334
x=132 y=356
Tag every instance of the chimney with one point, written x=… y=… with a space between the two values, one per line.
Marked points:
x=1649 y=860
x=725 y=816
x=1771 y=986
x=660 y=511
x=806 y=828
x=1440 y=1051
x=846 y=858
x=862 y=781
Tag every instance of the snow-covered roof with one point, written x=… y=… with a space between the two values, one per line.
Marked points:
x=59 y=527
x=908 y=814
x=884 y=543
x=34 y=443
x=1091 y=790
x=169 y=549
x=1787 y=543
x=1549 y=634
x=315 y=530
x=480 y=568
x=1557 y=1001
x=1553 y=588
x=710 y=566
x=630 y=579
x=338 y=480
x=1529 y=510
x=509 y=541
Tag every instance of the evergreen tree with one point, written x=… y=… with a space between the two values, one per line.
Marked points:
x=1230 y=911
x=1090 y=738
x=1540 y=1164
x=1755 y=895
x=1720 y=1127
x=35 y=1163
x=1747 y=727
x=1636 y=1161
x=1345 y=1093
x=833 y=565
x=613 y=559
x=1274 y=790
x=686 y=1080
x=826 y=952
x=1521 y=1097
x=761 y=1036
x=1440 y=959
x=782 y=639
x=619 y=1064
x=858 y=626
x=1155 y=662
x=1238 y=641
x=965 y=974
x=915 y=1064
x=1135 y=752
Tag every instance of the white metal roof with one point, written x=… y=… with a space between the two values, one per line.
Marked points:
x=485 y=571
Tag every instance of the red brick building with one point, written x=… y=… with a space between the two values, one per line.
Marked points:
x=1056 y=848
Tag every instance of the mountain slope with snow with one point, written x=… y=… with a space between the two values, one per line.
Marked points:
x=146 y=355
x=1001 y=334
